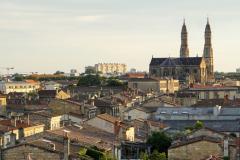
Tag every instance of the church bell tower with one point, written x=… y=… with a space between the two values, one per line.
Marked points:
x=184 y=51
x=208 y=53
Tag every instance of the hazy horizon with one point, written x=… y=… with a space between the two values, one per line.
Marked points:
x=48 y=35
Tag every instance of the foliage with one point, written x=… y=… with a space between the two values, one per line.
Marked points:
x=89 y=80
x=96 y=80
x=18 y=77
x=98 y=154
x=58 y=72
x=82 y=151
x=144 y=156
x=157 y=156
x=196 y=126
x=159 y=141
x=225 y=158
x=154 y=156
x=112 y=81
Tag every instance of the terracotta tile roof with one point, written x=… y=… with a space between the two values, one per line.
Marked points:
x=209 y=87
x=19 y=124
x=88 y=136
x=108 y=118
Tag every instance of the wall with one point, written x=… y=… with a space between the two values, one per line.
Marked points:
x=55 y=122
x=22 y=153
x=135 y=114
x=33 y=130
x=24 y=87
x=101 y=124
x=195 y=151
x=144 y=85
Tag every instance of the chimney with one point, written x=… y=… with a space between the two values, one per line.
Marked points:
x=12 y=139
x=225 y=147
x=28 y=120
x=92 y=102
x=15 y=122
x=66 y=145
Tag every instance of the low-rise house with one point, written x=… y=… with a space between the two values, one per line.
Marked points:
x=51 y=85
x=47 y=95
x=139 y=113
x=22 y=128
x=90 y=136
x=202 y=147
x=114 y=126
x=222 y=126
x=214 y=92
x=19 y=86
x=197 y=113
x=157 y=85
x=7 y=136
x=74 y=118
x=107 y=106
x=105 y=122
x=44 y=149
x=144 y=128
x=50 y=120
x=3 y=100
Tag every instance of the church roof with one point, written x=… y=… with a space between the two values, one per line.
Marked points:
x=169 y=62
x=176 y=61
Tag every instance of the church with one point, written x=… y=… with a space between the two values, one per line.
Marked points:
x=185 y=68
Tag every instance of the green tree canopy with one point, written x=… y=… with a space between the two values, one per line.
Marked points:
x=159 y=141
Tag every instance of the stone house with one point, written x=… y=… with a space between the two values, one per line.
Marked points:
x=214 y=92
x=3 y=100
x=153 y=84
x=50 y=120
x=107 y=106
x=48 y=95
x=138 y=113
x=43 y=149
x=202 y=147
x=22 y=128
x=144 y=128
x=113 y=125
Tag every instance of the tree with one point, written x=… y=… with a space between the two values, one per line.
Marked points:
x=18 y=77
x=198 y=125
x=58 y=72
x=159 y=141
x=157 y=156
x=114 y=82
x=144 y=156
x=89 y=80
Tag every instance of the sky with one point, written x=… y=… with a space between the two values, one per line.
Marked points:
x=48 y=35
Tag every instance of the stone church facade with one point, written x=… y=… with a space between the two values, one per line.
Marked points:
x=185 y=68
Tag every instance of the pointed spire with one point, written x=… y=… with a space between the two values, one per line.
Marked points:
x=184 y=51
x=184 y=28
x=207 y=28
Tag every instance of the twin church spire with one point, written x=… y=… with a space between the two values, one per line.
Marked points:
x=184 y=50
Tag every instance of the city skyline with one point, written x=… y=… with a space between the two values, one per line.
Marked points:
x=47 y=36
